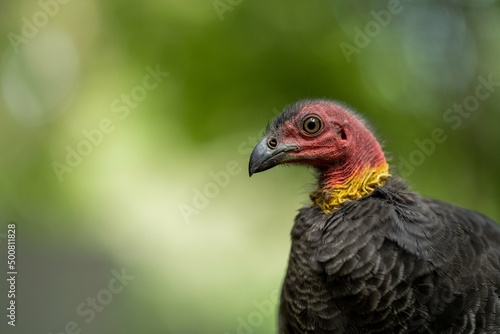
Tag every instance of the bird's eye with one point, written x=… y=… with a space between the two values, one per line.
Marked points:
x=312 y=125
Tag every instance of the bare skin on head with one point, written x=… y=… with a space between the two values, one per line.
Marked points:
x=326 y=136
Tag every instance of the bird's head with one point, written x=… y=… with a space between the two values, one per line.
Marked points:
x=329 y=137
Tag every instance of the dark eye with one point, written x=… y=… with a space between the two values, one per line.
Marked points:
x=312 y=125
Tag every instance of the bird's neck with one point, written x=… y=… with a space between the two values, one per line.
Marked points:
x=349 y=181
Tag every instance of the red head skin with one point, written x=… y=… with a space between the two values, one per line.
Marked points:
x=343 y=147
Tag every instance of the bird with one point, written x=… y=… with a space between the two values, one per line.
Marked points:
x=369 y=255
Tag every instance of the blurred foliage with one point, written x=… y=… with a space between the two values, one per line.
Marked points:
x=232 y=65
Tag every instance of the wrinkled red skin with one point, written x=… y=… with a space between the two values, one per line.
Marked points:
x=342 y=149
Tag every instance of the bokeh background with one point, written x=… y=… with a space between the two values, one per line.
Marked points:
x=164 y=194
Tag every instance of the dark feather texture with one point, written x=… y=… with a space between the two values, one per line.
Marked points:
x=392 y=262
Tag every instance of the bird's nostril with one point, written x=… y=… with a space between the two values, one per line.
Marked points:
x=272 y=143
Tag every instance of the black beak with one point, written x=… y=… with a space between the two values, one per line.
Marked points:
x=265 y=157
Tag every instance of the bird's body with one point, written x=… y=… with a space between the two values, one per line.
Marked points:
x=392 y=262
x=369 y=255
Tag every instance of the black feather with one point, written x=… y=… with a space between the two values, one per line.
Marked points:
x=392 y=262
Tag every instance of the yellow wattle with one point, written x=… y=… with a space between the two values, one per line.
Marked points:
x=355 y=187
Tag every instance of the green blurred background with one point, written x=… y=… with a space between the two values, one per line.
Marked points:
x=208 y=257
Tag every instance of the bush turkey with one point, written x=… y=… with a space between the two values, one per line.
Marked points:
x=369 y=255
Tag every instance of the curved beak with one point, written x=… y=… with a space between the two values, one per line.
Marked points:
x=263 y=157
